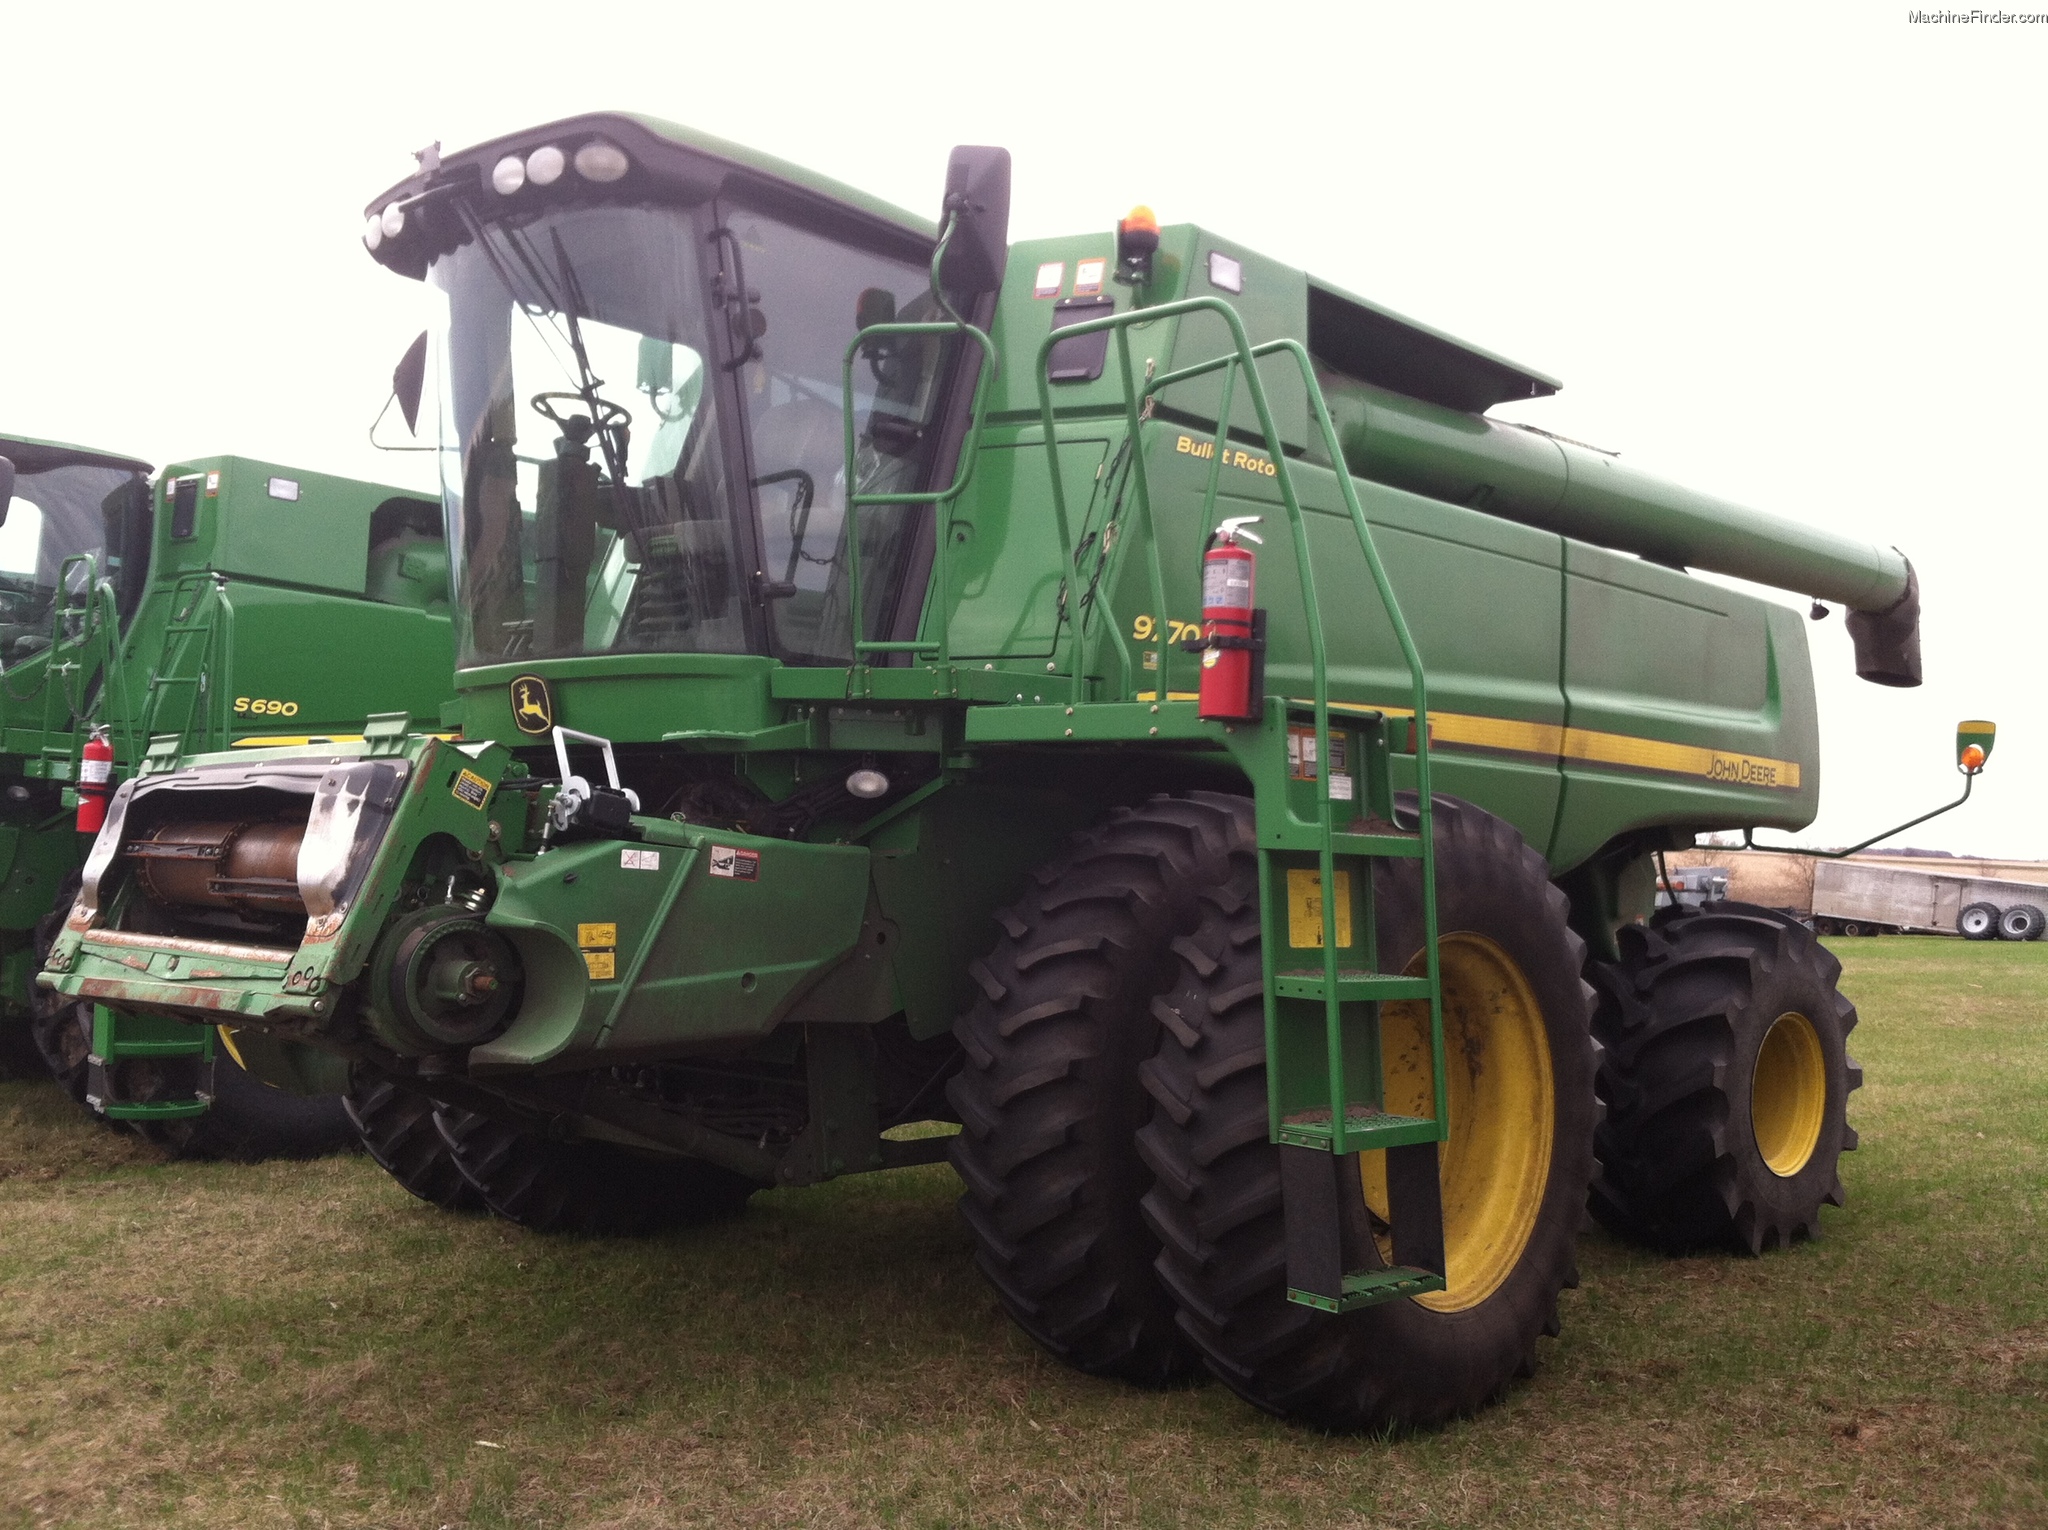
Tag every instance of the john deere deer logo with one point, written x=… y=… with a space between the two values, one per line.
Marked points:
x=533 y=704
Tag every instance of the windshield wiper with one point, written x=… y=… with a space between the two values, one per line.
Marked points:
x=603 y=413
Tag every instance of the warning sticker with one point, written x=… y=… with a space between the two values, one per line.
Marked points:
x=603 y=965
x=640 y=860
x=1305 y=909
x=472 y=788
x=1301 y=756
x=740 y=865
x=588 y=935
x=1088 y=276
x=1050 y=275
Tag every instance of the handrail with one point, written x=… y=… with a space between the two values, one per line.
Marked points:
x=985 y=367
x=1244 y=357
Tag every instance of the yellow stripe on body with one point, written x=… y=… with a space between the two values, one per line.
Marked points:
x=301 y=740
x=1508 y=735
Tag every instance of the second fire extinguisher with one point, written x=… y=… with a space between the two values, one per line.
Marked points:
x=95 y=781
x=1233 y=640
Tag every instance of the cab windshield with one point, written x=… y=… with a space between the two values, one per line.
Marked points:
x=58 y=513
x=642 y=438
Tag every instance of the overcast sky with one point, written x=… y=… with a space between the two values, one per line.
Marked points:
x=1791 y=255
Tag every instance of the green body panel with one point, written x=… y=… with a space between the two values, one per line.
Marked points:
x=697 y=956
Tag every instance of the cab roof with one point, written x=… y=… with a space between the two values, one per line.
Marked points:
x=31 y=455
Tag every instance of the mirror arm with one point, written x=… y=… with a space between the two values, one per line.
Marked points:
x=938 y=259
x=1749 y=834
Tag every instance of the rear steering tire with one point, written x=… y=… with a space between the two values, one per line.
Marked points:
x=1727 y=1077
x=1049 y=1095
x=1515 y=1168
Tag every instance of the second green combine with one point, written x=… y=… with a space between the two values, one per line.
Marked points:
x=221 y=604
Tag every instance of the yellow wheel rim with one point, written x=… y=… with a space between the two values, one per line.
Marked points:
x=1495 y=1166
x=1788 y=1094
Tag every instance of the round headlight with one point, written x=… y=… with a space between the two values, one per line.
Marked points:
x=600 y=160
x=373 y=232
x=393 y=221
x=544 y=165
x=508 y=175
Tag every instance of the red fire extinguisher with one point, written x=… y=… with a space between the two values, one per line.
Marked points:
x=95 y=781
x=1233 y=640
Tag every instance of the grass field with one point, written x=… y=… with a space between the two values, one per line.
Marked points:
x=195 y=1345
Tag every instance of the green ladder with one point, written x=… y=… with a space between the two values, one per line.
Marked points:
x=1324 y=822
x=201 y=621
x=117 y=1039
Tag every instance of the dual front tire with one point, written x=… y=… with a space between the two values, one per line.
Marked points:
x=1174 y=989
x=460 y=1160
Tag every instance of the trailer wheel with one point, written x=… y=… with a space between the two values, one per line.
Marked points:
x=585 y=1187
x=396 y=1127
x=1978 y=921
x=2022 y=921
x=1049 y=1095
x=1727 y=1078
x=1515 y=1169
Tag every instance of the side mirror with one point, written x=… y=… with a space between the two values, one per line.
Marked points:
x=978 y=199
x=1973 y=745
x=6 y=487
x=655 y=370
x=409 y=379
x=875 y=305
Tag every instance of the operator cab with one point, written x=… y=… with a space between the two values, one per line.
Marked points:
x=641 y=351
x=67 y=503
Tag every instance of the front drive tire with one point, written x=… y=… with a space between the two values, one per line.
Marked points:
x=1049 y=1095
x=587 y=1187
x=1515 y=1169
x=1727 y=1077
x=396 y=1128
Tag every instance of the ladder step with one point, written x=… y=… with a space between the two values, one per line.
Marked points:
x=1408 y=845
x=1368 y=1288
x=153 y=1110
x=178 y=1048
x=1365 y=1131
x=1353 y=984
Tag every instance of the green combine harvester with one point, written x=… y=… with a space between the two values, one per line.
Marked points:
x=875 y=710
x=225 y=604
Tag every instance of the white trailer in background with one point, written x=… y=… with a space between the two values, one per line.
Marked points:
x=1872 y=894
x=1859 y=899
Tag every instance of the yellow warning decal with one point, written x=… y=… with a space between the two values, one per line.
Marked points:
x=472 y=789
x=589 y=935
x=603 y=965
x=1305 y=909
